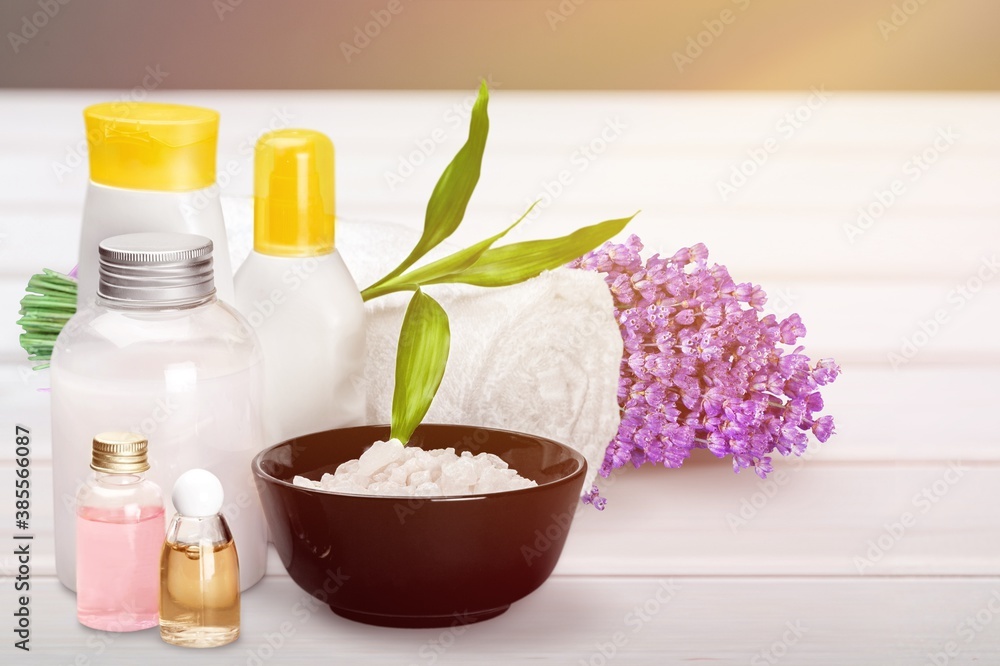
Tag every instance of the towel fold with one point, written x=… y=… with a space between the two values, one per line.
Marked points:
x=540 y=357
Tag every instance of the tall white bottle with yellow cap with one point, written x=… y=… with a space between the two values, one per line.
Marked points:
x=152 y=168
x=297 y=293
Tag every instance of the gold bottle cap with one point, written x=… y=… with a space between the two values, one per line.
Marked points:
x=119 y=453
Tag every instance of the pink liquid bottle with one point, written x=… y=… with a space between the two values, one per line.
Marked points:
x=119 y=531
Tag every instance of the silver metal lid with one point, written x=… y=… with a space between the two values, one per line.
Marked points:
x=156 y=270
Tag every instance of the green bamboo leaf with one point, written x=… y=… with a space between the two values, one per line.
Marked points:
x=453 y=263
x=421 y=357
x=451 y=195
x=511 y=264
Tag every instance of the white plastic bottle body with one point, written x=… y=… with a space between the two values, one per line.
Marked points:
x=309 y=317
x=110 y=211
x=190 y=381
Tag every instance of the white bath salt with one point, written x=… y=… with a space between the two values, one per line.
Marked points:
x=389 y=468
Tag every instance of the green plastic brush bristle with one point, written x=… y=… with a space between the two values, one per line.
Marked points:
x=45 y=309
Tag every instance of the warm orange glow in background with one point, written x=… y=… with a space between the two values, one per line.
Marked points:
x=527 y=44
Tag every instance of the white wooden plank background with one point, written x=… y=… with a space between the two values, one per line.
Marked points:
x=749 y=555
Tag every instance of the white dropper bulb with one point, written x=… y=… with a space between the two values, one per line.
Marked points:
x=197 y=494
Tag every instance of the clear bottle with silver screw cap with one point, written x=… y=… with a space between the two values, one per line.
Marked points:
x=199 y=568
x=158 y=354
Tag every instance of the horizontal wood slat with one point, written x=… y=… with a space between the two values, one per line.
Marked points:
x=882 y=416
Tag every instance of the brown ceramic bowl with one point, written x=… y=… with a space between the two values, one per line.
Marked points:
x=419 y=562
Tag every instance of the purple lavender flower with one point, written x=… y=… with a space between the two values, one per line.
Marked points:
x=702 y=368
x=593 y=496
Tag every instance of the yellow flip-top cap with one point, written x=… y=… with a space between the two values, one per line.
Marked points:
x=147 y=146
x=293 y=210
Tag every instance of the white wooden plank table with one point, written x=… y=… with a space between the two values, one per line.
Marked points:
x=594 y=620
x=804 y=569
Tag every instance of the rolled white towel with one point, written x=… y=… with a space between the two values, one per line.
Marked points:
x=541 y=357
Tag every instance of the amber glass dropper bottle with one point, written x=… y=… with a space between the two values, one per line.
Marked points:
x=199 y=568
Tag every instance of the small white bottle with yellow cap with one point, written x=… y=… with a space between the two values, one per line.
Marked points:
x=152 y=169
x=297 y=293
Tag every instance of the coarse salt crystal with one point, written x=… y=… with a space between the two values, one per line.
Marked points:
x=379 y=455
